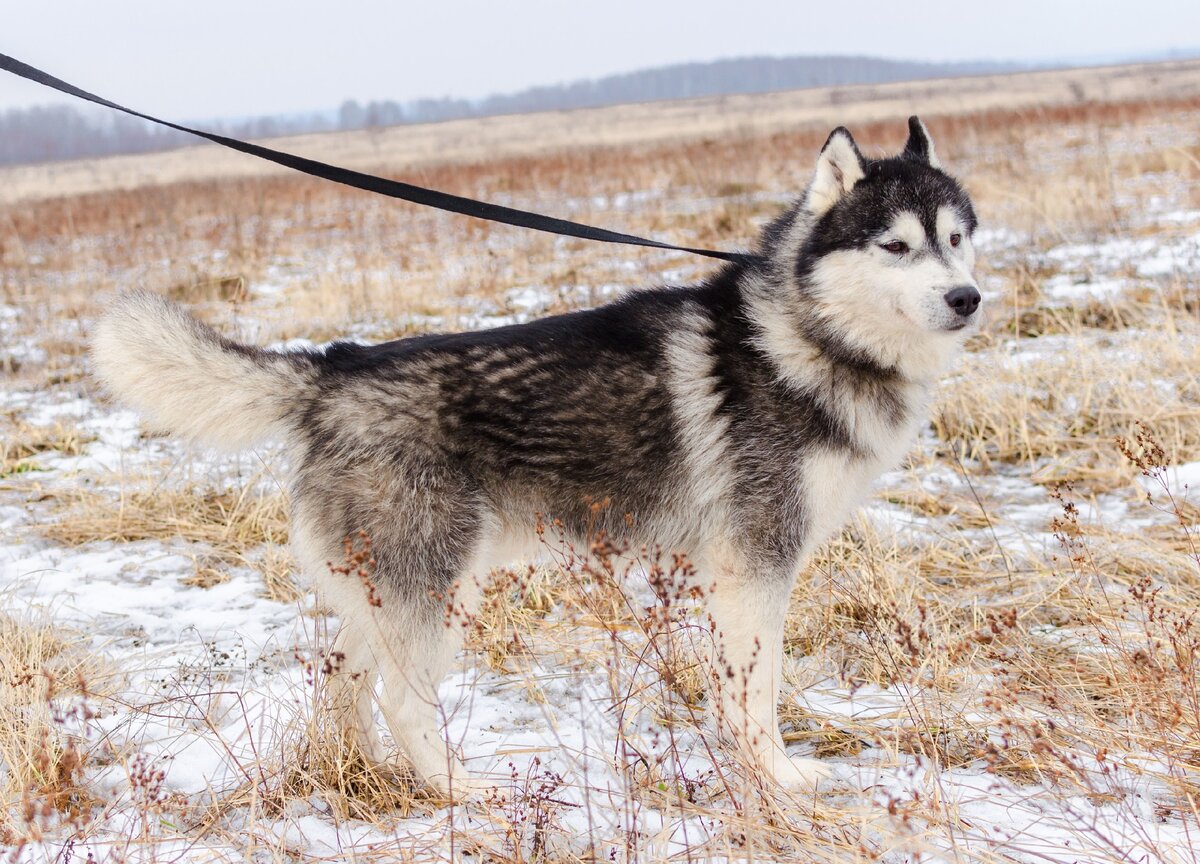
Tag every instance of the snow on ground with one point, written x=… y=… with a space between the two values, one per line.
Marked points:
x=229 y=663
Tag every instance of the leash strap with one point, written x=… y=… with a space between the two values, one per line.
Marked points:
x=371 y=183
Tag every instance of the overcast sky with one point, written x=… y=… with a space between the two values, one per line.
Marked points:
x=227 y=58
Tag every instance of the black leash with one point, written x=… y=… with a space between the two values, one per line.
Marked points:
x=371 y=183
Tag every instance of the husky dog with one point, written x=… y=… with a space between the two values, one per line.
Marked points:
x=737 y=421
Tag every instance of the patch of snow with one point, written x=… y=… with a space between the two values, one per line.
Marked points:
x=1063 y=286
x=1181 y=481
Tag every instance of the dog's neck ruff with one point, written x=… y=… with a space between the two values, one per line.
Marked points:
x=809 y=346
x=877 y=398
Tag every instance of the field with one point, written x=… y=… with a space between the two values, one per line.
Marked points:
x=997 y=658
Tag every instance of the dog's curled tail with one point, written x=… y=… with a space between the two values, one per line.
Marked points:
x=191 y=381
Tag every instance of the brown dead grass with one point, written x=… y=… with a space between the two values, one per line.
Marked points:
x=230 y=520
x=997 y=654
x=1058 y=411
x=48 y=681
x=277 y=569
x=22 y=442
x=365 y=259
x=1050 y=95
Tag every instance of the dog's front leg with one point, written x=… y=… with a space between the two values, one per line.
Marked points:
x=748 y=614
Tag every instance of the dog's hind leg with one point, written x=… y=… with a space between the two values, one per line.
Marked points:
x=351 y=663
x=429 y=546
x=352 y=674
x=432 y=636
x=408 y=601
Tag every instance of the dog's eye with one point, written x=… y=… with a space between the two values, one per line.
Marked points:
x=896 y=247
x=955 y=239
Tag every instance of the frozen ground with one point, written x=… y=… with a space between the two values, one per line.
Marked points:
x=216 y=678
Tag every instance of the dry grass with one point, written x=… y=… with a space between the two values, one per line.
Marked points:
x=368 y=261
x=1086 y=95
x=23 y=442
x=1060 y=411
x=231 y=520
x=1067 y=670
x=48 y=680
x=277 y=569
x=312 y=759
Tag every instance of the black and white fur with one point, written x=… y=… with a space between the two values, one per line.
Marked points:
x=738 y=421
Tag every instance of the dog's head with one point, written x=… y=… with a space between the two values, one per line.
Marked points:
x=882 y=248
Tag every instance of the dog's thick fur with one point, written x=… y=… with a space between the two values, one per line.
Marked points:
x=737 y=421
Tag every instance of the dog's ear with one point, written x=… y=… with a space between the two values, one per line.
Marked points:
x=839 y=167
x=920 y=145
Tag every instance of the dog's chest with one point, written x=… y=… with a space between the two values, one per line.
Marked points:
x=835 y=479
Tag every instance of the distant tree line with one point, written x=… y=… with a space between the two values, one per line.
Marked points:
x=50 y=133
x=682 y=81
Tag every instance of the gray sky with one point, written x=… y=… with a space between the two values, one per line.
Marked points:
x=193 y=60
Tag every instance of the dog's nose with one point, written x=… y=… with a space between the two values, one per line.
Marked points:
x=963 y=300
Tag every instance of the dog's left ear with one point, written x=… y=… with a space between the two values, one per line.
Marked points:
x=920 y=145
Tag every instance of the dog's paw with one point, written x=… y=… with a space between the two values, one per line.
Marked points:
x=470 y=787
x=482 y=788
x=372 y=750
x=797 y=773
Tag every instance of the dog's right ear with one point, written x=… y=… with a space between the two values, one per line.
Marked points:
x=839 y=167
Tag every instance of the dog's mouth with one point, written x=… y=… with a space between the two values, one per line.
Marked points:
x=935 y=327
x=962 y=323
